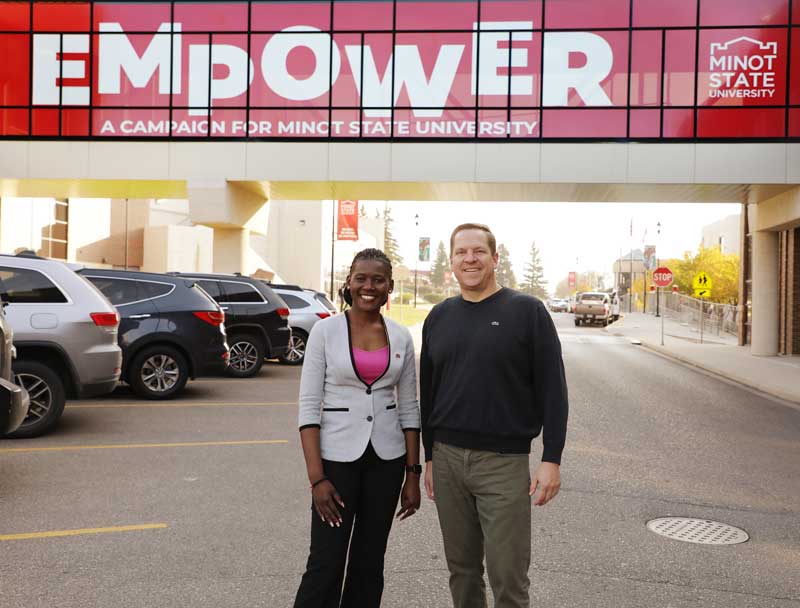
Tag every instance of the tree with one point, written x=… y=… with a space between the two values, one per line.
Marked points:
x=440 y=266
x=505 y=274
x=390 y=247
x=584 y=281
x=721 y=268
x=533 y=282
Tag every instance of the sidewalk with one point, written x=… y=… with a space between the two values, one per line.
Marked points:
x=720 y=355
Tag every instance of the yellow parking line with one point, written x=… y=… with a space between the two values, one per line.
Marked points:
x=113 y=405
x=122 y=446
x=58 y=533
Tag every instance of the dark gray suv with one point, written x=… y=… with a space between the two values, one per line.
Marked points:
x=171 y=330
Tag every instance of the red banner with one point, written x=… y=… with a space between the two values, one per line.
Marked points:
x=411 y=69
x=347 y=223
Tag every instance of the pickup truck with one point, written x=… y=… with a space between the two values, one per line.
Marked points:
x=593 y=307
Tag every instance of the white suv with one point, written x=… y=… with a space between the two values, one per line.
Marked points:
x=306 y=307
x=65 y=333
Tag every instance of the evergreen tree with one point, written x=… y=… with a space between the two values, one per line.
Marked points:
x=505 y=274
x=533 y=282
x=390 y=247
x=440 y=266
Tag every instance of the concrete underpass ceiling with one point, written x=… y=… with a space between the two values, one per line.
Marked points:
x=464 y=191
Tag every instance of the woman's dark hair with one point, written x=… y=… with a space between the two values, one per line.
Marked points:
x=366 y=254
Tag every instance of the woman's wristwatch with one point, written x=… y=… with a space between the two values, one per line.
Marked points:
x=414 y=468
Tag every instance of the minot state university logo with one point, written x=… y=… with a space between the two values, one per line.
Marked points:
x=742 y=68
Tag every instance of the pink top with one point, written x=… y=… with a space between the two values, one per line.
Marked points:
x=370 y=364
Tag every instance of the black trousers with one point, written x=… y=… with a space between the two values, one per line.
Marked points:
x=370 y=488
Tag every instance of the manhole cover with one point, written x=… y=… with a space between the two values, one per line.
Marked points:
x=700 y=531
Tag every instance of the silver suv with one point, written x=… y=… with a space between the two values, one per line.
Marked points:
x=65 y=333
x=306 y=307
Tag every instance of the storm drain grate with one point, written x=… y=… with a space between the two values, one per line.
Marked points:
x=700 y=531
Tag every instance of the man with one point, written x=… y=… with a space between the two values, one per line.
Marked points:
x=491 y=378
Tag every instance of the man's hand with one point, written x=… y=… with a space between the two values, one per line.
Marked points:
x=409 y=497
x=429 y=479
x=548 y=482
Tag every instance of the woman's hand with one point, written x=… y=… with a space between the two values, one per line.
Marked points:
x=326 y=499
x=409 y=497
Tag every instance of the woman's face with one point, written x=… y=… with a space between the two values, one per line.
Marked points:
x=370 y=285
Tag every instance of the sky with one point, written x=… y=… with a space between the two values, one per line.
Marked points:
x=570 y=236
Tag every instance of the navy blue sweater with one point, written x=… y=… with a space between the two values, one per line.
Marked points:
x=492 y=376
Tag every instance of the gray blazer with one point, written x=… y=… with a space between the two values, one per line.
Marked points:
x=349 y=413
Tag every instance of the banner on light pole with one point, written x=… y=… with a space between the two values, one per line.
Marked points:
x=347 y=221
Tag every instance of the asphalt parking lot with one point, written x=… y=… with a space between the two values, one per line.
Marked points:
x=203 y=501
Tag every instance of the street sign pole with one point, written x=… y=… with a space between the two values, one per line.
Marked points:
x=662 y=277
x=702 y=310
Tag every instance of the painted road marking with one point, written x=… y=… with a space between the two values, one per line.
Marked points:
x=121 y=405
x=131 y=446
x=59 y=533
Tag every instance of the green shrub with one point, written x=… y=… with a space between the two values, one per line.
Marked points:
x=435 y=298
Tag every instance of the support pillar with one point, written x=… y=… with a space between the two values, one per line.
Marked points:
x=231 y=246
x=765 y=296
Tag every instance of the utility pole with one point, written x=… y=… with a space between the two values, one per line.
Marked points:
x=416 y=258
x=333 y=242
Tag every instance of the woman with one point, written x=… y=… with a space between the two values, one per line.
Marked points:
x=359 y=426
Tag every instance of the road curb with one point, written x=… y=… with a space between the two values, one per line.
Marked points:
x=721 y=374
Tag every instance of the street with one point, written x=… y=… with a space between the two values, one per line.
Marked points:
x=215 y=483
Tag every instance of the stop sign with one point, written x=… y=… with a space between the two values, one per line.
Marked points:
x=662 y=276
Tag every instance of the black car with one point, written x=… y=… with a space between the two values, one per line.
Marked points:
x=256 y=319
x=170 y=330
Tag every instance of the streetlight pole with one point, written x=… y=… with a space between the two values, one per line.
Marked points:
x=416 y=258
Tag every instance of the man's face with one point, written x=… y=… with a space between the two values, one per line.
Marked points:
x=472 y=261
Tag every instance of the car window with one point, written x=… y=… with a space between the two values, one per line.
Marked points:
x=150 y=289
x=592 y=297
x=321 y=297
x=211 y=288
x=118 y=291
x=240 y=292
x=24 y=286
x=294 y=302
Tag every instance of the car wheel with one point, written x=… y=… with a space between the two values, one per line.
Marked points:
x=46 y=391
x=296 y=352
x=158 y=372
x=577 y=323
x=247 y=356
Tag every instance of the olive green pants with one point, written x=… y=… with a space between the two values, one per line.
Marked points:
x=484 y=508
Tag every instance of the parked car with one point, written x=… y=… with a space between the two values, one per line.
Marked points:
x=306 y=307
x=14 y=399
x=65 y=333
x=559 y=305
x=593 y=307
x=256 y=319
x=170 y=330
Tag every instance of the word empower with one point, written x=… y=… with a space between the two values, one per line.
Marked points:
x=216 y=72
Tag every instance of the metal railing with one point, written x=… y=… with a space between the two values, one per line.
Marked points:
x=717 y=318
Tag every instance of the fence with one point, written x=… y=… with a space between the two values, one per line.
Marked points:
x=717 y=318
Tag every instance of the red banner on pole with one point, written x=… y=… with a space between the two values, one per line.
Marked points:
x=348 y=221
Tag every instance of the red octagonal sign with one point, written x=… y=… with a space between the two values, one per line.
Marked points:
x=662 y=276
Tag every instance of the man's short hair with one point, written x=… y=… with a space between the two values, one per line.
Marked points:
x=470 y=226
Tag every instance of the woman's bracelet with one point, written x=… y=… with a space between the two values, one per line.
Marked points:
x=319 y=481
